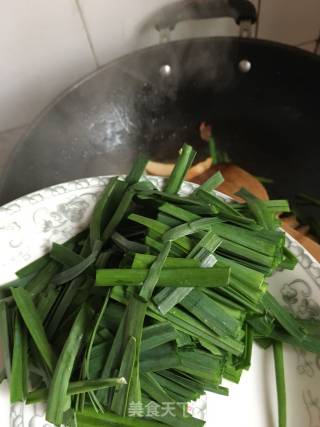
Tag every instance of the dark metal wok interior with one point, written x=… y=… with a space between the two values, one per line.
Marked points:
x=267 y=119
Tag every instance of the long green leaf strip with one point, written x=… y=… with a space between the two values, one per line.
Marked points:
x=77 y=387
x=96 y=224
x=5 y=340
x=60 y=381
x=154 y=273
x=93 y=335
x=177 y=277
x=281 y=385
x=19 y=379
x=120 y=399
x=155 y=303
x=202 y=252
x=76 y=270
x=34 y=325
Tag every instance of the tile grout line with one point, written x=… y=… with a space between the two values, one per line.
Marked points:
x=84 y=23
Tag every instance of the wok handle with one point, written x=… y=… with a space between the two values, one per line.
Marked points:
x=239 y=10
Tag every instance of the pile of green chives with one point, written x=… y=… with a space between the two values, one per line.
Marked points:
x=159 y=300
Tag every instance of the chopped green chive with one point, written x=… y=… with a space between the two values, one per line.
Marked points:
x=281 y=385
x=162 y=298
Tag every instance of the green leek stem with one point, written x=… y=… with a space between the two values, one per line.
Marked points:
x=281 y=384
x=213 y=150
x=186 y=157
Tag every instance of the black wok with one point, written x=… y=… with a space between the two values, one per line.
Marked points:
x=266 y=119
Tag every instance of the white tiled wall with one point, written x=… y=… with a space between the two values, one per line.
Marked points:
x=290 y=21
x=117 y=28
x=44 y=49
x=48 y=45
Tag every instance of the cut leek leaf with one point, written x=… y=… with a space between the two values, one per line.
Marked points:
x=175 y=277
x=162 y=298
x=180 y=170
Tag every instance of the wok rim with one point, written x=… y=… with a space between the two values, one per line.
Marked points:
x=255 y=41
x=294 y=50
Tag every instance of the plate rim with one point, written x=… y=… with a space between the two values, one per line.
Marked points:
x=16 y=205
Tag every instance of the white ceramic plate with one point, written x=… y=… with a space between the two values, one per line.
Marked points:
x=30 y=224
